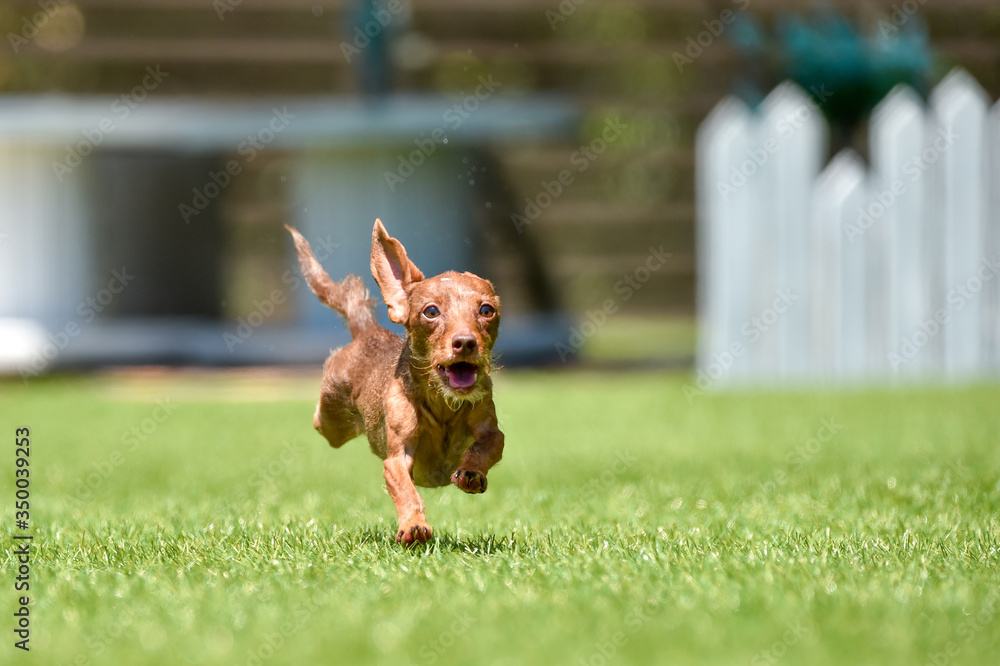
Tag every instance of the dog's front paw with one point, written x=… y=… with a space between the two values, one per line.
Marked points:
x=469 y=481
x=414 y=531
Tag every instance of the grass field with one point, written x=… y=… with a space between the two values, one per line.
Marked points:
x=626 y=525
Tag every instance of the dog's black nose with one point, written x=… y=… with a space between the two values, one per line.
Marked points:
x=464 y=343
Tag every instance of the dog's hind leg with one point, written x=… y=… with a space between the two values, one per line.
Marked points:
x=336 y=417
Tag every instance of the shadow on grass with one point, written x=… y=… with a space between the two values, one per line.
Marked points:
x=483 y=544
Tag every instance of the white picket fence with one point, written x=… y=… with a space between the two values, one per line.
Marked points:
x=845 y=273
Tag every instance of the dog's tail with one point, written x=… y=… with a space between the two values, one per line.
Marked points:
x=349 y=297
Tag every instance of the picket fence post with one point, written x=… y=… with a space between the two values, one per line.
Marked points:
x=992 y=323
x=890 y=270
x=957 y=138
x=898 y=230
x=795 y=125
x=838 y=297
x=728 y=206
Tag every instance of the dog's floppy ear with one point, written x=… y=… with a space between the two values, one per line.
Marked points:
x=393 y=271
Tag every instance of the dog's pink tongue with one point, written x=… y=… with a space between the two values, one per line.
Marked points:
x=461 y=375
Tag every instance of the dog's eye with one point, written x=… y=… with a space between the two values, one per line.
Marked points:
x=487 y=310
x=431 y=311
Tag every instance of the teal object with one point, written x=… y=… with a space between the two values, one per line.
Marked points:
x=373 y=68
x=846 y=71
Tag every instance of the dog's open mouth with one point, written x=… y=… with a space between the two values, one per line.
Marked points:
x=459 y=375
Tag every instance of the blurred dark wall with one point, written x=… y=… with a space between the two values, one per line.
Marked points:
x=617 y=59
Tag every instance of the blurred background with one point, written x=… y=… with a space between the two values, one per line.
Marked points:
x=549 y=146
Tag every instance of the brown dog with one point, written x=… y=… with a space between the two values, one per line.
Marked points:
x=425 y=403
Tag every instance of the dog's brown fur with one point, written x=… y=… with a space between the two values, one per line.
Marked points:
x=425 y=414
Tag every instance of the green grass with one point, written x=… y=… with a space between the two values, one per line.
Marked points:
x=624 y=526
x=640 y=338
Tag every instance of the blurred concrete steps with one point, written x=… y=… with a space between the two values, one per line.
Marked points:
x=610 y=57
